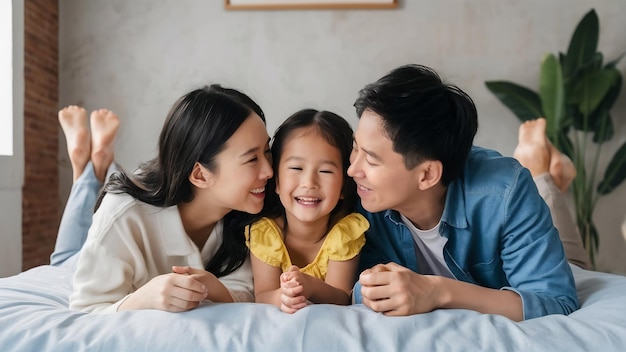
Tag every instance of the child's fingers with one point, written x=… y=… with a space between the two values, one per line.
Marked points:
x=296 y=302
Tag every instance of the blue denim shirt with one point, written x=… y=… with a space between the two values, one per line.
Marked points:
x=500 y=235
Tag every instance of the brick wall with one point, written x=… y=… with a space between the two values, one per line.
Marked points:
x=40 y=213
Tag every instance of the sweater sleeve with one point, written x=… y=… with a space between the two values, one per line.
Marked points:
x=104 y=274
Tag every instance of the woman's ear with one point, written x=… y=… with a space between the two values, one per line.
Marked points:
x=201 y=177
x=429 y=174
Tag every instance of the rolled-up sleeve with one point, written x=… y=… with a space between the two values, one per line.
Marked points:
x=532 y=254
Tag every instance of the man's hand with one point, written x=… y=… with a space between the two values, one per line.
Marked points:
x=395 y=290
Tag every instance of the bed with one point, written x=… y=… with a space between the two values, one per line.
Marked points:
x=34 y=317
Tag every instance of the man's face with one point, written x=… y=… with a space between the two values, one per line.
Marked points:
x=383 y=181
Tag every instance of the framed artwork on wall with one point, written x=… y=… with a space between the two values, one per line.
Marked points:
x=308 y=4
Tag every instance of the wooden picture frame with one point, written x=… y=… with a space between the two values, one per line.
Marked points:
x=308 y=4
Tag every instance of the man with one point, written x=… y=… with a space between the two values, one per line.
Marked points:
x=451 y=225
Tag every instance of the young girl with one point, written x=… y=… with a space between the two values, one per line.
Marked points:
x=306 y=247
x=155 y=231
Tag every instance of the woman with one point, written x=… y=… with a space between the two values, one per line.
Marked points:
x=170 y=235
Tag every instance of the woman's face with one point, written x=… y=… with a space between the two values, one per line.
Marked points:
x=243 y=168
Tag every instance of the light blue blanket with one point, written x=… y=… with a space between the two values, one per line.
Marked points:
x=34 y=317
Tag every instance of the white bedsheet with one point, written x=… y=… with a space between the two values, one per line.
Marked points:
x=34 y=317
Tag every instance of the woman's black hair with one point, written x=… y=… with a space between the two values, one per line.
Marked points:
x=337 y=132
x=196 y=130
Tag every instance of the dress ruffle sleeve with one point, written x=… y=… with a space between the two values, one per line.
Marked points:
x=266 y=243
x=347 y=237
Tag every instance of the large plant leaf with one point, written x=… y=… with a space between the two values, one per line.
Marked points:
x=562 y=59
x=592 y=88
x=564 y=144
x=552 y=93
x=523 y=102
x=615 y=172
x=603 y=126
x=583 y=100
x=573 y=81
x=614 y=63
x=611 y=96
x=595 y=62
x=570 y=117
x=590 y=237
x=583 y=44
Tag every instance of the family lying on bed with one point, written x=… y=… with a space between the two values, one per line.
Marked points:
x=440 y=223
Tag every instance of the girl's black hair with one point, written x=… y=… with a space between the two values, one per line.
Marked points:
x=196 y=130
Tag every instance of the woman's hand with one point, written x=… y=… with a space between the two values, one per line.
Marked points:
x=174 y=292
x=216 y=291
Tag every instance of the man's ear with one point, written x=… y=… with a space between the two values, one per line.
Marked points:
x=430 y=173
x=201 y=177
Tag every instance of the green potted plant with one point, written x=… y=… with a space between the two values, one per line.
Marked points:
x=576 y=93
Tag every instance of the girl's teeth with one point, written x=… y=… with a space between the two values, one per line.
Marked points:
x=308 y=200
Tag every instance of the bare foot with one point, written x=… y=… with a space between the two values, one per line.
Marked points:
x=562 y=169
x=104 y=125
x=73 y=120
x=532 y=150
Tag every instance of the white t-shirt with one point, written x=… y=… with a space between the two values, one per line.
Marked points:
x=429 y=249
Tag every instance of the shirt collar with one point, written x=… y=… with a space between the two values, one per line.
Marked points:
x=453 y=211
x=172 y=233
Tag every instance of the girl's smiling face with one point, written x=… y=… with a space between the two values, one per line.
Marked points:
x=310 y=176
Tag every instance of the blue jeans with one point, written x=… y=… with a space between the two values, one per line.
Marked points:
x=77 y=216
